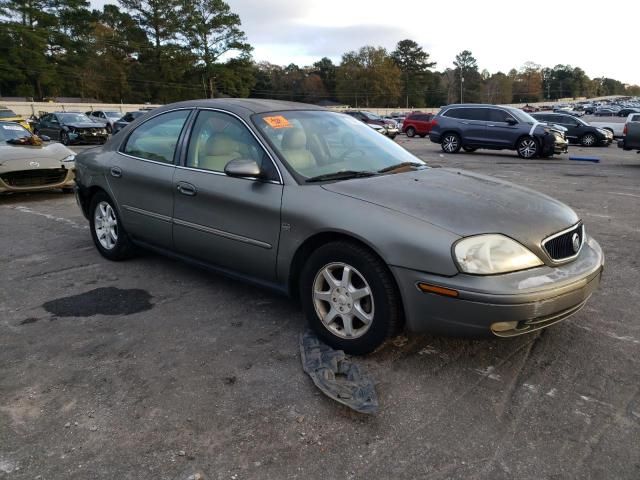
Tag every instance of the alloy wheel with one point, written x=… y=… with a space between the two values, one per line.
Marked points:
x=343 y=300
x=528 y=148
x=450 y=143
x=588 y=140
x=106 y=225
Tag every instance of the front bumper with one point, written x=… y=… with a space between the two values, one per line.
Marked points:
x=87 y=137
x=33 y=183
x=534 y=298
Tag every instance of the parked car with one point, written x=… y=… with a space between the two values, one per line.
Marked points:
x=530 y=108
x=391 y=126
x=314 y=204
x=631 y=133
x=589 y=109
x=625 y=112
x=29 y=163
x=417 y=123
x=578 y=131
x=108 y=117
x=7 y=115
x=71 y=128
x=573 y=113
x=126 y=119
x=605 y=112
x=494 y=127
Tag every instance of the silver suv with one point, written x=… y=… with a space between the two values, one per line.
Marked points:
x=495 y=127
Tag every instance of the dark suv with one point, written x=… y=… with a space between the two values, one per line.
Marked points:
x=578 y=131
x=473 y=126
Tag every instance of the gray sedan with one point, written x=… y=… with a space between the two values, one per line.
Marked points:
x=319 y=206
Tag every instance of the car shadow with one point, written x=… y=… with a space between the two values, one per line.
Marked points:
x=9 y=198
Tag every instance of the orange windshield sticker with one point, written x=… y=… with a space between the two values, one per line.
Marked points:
x=277 y=122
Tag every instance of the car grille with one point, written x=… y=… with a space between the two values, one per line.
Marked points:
x=561 y=246
x=35 y=178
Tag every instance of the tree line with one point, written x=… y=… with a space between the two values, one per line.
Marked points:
x=161 y=51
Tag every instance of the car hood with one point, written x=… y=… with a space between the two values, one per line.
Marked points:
x=464 y=203
x=17 y=157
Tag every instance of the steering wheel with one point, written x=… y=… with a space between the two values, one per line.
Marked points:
x=361 y=153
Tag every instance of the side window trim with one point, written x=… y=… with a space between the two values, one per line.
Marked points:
x=178 y=149
x=182 y=161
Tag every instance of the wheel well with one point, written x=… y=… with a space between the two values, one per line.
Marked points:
x=526 y=136
x=313 y=243
x=87 y=194
x=447 y=132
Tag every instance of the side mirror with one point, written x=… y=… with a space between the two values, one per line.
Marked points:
x=510 y=121
x=243 y=167
x=44 y=138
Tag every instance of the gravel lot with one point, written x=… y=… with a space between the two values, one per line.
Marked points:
x=160 y=370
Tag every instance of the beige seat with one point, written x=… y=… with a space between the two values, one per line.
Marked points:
x=219 y=150
x=294 y=149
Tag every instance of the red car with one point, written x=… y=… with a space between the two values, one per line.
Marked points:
x=418 y=123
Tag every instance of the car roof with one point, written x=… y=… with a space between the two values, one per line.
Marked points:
x=240 y=106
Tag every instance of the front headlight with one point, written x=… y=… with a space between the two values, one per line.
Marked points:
x=69 y=158
x=490 y=254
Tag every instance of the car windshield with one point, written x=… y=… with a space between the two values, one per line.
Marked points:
x=7 y=114
x=320 y=143
x=12 y=131
x=74 y=118
x=371 y=116
x=522 y=116
x=115 y=115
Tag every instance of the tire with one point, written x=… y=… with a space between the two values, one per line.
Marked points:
x=588 y=140
x=451 y=143
x=119 y=248
x=411 y=132
x=366 y=322
x=469 y=149
x=64 y=138
x=527 y=147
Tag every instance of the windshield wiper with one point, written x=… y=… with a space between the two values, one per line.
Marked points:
x=400 y=165
x=343 y=175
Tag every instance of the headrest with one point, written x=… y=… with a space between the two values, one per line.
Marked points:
x=294 y=139
x=220 y=144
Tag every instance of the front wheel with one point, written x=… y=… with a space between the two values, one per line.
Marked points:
x=527 y=148
x=451 y=143
x=588 y=140
x=64 y=138
x=349 y=297
x=107 y=231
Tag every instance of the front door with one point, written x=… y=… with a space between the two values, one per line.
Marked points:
x=141 y=177
x=233 y=223
x=503 y=129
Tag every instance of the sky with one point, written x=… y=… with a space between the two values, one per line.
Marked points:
x=501 y=34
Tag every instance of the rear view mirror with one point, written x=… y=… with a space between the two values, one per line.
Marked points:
x=243 y=167
x=510 y=121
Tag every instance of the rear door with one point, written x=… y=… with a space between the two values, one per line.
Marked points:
x=467 y=121
x=141 y=177
x=233 y=223
x=503 y=130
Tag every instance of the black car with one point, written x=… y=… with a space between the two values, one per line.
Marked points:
x=127 y=119
x=70 y=128
x=625 y=112
x=578 y=131
x=494 y=127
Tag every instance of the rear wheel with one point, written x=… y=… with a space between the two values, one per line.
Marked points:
x=107 y=231
x=349 y=297
x=64 y=138
x=411 y=132
x=527 y=148
x=451 y=143
x=588 y=140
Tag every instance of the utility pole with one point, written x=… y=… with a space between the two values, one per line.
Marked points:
x=461 y=87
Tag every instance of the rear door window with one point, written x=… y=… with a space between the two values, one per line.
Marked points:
x=157 y=138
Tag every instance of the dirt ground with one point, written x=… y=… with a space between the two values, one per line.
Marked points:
x=153 y=369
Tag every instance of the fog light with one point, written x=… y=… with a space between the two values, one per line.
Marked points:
x=503 y=326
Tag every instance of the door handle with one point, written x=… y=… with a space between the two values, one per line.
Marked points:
x=187 y=189
x=116 y=172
